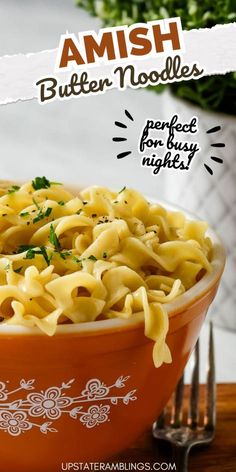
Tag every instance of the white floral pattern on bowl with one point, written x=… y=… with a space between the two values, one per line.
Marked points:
x=16 y=416
x=49 y=404
x=14 y=423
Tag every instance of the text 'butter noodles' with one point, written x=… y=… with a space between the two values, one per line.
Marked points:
x=96 y=255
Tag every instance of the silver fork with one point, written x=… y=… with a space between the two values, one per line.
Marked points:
x=184 y=437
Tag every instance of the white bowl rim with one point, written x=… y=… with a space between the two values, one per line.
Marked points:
x=174 y=308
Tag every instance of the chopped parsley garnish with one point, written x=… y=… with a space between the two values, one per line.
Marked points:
x=104 y=255
x=48 y=212
x=122 y=190
x=65 y=254
x=76 y=259
x=42 y=251
x=38 y=218
x=79 y=211
x=92 y=258
x=25 y=213
x=40 y=182
x=61 y=203
x=41 y=215
x=45 y=255
x=24 y=247
x=17 y=271
x=13 y=189
x=31 y=253
x=54 y=239
x=79 y=261
x=36 y=204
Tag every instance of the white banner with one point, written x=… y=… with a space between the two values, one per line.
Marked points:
x=213 y=50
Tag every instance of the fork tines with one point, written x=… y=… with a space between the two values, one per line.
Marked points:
x=210 y=410
x=177 y=412
x=194 y=390
x=181 y=435
x=210 y=394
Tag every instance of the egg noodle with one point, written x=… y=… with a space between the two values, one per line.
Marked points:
x=95 y=255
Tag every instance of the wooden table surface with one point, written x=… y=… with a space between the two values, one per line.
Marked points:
x=219 y=456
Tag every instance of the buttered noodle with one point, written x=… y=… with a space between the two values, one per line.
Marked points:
x=95 y=255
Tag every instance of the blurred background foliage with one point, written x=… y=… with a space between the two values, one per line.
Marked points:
x=216 y=93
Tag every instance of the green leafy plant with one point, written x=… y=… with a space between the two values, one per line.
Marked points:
x=217 y=93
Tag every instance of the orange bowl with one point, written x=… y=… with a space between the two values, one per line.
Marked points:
x=90 y=390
